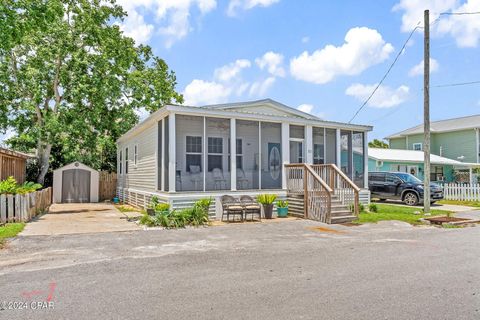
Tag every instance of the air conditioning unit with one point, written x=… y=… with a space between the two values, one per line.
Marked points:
x=379 y=163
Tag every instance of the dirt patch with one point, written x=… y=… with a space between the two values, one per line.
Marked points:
x=440 y=220
x=325 y=229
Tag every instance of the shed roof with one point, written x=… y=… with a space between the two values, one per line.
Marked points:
x=455 y=124
x=412 y=156
x=16 y=154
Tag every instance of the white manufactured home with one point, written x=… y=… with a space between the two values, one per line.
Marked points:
x=182 y=153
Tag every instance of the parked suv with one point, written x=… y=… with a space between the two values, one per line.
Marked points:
x=400 y=186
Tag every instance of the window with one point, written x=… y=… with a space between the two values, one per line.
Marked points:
x=135 y=155
x=193 y=155
x=318 y=154
x=376 y=177
x=126 y=160
x=215 y=153
x=436 y=173
x=417 y=147
x=390 y=178
x=239 y=154
x=120 y=163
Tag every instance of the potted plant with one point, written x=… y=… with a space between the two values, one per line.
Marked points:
x=282 y=208
x=267 y=200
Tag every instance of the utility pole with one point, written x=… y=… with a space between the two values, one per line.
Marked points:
x=426 y=113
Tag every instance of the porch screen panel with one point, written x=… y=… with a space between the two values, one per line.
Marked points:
x=248 y=161
x=271 y=155
x=189 y=153
x=346 y=152
x=358 y=159
x=218 y=169
x=318 y=145
x=330 y=146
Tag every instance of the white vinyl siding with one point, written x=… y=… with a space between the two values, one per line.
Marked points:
x=141 y=176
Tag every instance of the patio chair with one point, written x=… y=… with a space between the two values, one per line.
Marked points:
x=250 y=206
x=242 y=181
x=195 y=176
x=231 y=206
x=219 y=180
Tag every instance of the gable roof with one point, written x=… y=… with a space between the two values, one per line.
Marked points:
x=399 y=155
x=455 y=124
x=256 y=108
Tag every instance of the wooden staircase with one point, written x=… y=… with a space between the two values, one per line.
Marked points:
x=322 y=193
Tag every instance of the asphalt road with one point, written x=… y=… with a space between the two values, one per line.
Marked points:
x=280 y=270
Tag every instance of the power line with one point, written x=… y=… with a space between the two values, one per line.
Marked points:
x=459 y=13
x=456 y=84
x=386 y=74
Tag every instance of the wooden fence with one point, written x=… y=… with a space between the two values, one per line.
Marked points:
x=461 y=192
x=107 y=185
x=24 y=207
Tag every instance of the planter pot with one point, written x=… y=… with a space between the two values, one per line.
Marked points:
x=150 y=212
x=268 y=210
x=282 y=212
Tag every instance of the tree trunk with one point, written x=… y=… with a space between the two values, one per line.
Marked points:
x=43 y=154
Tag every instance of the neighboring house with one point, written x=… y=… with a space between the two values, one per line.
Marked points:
x=14 y=164
x=411 y=161
x=456 y=139
x=182 y=153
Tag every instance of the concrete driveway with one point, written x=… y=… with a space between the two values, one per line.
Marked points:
x=75 y=218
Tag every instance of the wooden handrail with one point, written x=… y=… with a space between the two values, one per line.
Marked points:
x=345 y=178
x=318 y=178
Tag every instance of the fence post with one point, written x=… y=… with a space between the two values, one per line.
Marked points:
x=3 y=208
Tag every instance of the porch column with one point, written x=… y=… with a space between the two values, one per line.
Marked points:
x=309 y=144
x=470 y=171
x=163 y=156
x=365 y=160
x=171 y=153
x=233 y=154
x=285 y=151
x=338 y=149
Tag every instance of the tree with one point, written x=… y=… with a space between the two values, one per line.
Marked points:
x=376 y=143
x=71 y=81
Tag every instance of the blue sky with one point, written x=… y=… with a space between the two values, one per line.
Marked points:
x=324 y=55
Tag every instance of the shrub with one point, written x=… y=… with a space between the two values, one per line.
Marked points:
x=158 y=206
x=194 y=216
x=372 y=207
x=282 y=204
x=10 y=186
x=266 y=199
x=361 y=207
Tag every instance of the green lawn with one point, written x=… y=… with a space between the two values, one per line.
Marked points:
x=392 y=212
x=10 y=230
x=123 y=208
x=474 y=204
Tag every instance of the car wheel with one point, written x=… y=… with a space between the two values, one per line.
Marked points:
x=410 y=199
x=432 y=202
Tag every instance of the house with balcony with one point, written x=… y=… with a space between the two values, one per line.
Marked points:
x=183 y=153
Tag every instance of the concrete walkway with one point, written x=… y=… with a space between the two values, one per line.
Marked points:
x=75 y=218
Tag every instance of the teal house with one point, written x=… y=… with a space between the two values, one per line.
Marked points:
x=411 y=161
x=456 y=139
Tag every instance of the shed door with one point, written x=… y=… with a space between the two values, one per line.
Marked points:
x=76 y=186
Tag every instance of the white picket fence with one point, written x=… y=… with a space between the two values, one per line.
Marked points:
x=24 y=207
x=461 y=191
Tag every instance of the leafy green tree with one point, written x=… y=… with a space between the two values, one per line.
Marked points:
x=376 y=143
x=70 y=81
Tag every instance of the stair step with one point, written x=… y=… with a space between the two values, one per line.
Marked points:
x=342 y=219
x=340 y=213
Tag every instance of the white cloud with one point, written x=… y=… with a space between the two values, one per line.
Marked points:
x=247 y=5
x=362 y=49
x=305 y=107
x=231 y=70
x=384 y=97
x=417 y=70
x=465 y=29
x=272 y=62
x=260 y=88
x=172 y=18
x=200 y=92
x=305 y=39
